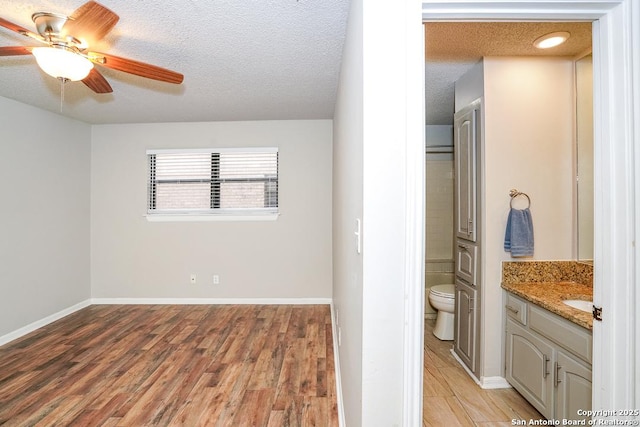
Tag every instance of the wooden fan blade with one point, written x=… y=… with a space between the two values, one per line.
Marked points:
x=20 y=30
x=13 y=27
x=90 y=22
x=96 y=82
x=14 y=50
x=136 y=67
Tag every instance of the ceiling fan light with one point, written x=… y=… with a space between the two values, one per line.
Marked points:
x=62 y=64
x=551 y=40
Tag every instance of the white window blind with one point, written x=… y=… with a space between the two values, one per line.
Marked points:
x=213 y=181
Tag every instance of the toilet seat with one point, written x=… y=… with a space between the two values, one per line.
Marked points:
x=444 y=291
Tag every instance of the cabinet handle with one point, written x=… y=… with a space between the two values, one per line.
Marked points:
x=469 y=227
x=471 y=304
x=557 y=380
x=546 y=366
x=463 y=247
x=513 y=310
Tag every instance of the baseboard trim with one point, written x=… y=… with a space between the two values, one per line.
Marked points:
x=465 y=367
x=336 y=362
x=43 y=322
x=486 y=383
x=490 y=383
x=211 y=301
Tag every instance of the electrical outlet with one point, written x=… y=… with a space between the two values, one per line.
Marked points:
x=192 y=279
x=216 y=279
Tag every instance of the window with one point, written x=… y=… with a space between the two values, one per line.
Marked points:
x=229 y=181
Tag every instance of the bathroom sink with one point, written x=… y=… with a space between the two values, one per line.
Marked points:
x=579 y=304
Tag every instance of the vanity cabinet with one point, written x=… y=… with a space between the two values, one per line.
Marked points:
x=528 y=371
x=573 y=386
x=548 y=360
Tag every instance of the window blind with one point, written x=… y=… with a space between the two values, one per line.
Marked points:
x=213 y=181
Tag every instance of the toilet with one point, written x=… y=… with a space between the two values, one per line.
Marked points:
x=442 y=298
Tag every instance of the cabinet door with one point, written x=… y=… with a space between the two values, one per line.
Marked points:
x=465 y=145
x=573 y=392
x=467 y=261
x=465 y=327
x=529 y=362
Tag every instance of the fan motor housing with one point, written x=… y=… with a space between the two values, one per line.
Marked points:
x=49 y=25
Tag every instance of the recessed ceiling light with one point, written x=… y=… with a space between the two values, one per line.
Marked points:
x=551 y=40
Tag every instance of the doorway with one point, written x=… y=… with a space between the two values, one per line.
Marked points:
x=614 y=204
x=453 y=51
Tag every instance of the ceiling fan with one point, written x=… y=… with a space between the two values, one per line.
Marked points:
x=66 y=55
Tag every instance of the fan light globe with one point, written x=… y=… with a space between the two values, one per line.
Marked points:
x=62 y=64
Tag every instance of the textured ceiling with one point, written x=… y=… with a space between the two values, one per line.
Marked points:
x=451 y=48
x=250 y=60
x=242 y=60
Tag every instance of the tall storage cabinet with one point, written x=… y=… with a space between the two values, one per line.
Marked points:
x=507 y=129
x=466 y=137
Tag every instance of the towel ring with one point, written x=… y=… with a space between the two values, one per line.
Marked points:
x=515 y=193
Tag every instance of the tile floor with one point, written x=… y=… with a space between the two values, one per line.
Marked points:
x=452 y=398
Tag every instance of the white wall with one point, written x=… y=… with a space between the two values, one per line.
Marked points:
x=347 y=206
x=44 y=183
x=469 y=86
x=287 y=258
x=528 y=144
x=371 y=140
x=384 y=209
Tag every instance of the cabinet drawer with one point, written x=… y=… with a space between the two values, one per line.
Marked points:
x=570 y=336
x=516 y=309
x=466 y=262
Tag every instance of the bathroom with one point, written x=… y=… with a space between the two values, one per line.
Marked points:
x=511 y=159
x=439 y=264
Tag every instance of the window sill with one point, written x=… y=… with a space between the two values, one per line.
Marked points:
x=207 y=218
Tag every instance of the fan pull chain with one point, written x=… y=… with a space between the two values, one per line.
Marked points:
x=62 y=83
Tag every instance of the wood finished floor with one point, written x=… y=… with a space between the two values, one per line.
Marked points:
x=452 y=398
x=167 y=365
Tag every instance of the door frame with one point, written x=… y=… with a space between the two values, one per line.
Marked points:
x=616 y=126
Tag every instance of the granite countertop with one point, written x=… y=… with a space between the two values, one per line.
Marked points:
x=549 y=295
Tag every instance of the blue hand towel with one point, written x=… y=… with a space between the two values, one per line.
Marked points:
x=518 y=237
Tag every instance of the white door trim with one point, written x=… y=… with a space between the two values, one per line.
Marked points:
x=617 y=125
x=414 y=296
